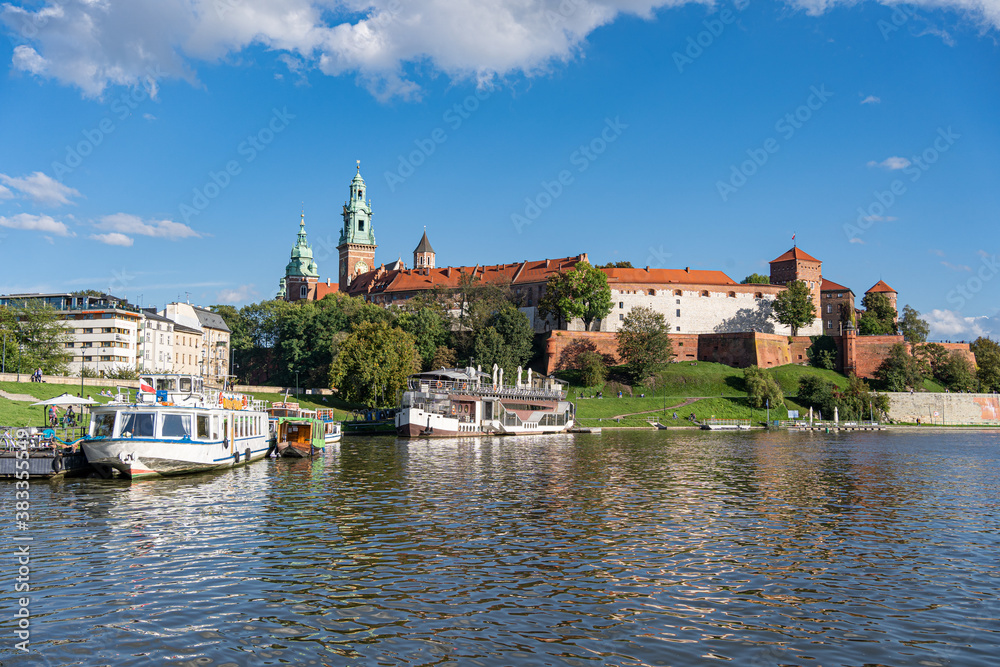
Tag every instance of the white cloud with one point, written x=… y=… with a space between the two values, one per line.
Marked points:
x=41 y=188
x=857 y=240
x=956 y=267
x=124 y=223
x=891 y=163
x=113 y=238
x=5 y=193
x=871 y=99
x=94 y=44
x=35 y=223
x=241 y=294
x=951 y=325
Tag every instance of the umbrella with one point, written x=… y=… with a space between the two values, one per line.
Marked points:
x=67 y=399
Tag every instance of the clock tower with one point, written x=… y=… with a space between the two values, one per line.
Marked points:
x=357 y=239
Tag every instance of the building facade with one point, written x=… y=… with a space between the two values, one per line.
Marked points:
x=156 y=344
x=837 y=309
x=357 y=238
x=204 y=342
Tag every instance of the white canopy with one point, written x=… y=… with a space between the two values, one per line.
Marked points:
x=68 y=399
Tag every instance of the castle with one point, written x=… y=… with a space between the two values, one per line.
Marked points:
x=701 y=304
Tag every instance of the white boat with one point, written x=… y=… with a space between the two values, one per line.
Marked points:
x=332 y=432
x=173 y=425
x=456 y=402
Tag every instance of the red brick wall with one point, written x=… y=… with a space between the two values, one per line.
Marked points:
x=870 y=351
x=606 y=342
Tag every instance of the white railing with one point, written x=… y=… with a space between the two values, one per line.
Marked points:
x=451 y=386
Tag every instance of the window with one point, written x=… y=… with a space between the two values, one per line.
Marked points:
x=829 y=324
x=70 y=344
x=732 y=295
x=829 y=308
x=621 y=318
x=137 y=425
x=204 y=430
x=361 y=225
x=185 y=384
x=176 y=426
x=678 y=328
x=621 y=304
x=758 y=295
x=652 y=292
x=677 y=292
x=104 y=425
x=840 y=294
x=678 y=312
x=303 y=292
x=704 y=292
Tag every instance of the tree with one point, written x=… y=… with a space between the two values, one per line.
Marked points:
x=957 y=374
x=429 y=329
x=505 y=340
x=615 y=265
x=817 y=393
x=238 y=338
x=373 y=364
x=444 y=357
x=823 y=352
x=931 y=358
x=580 y=292
x=762 y=389
x=36 y=335
x=756 y=279
x=879 y=317
x=899 y=371
x=794 y=306
x=858 y=402
x=643 y=343
x=987 y=353
x=914 y=329
x=593 y=371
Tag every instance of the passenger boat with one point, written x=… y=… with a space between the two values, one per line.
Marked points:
x=29 y=453
x=172 y=426
x=299 y=437
x=455 y=402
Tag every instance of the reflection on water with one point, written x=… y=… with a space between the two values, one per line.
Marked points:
x=644 y=548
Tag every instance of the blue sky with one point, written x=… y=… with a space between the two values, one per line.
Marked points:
x=165 y=148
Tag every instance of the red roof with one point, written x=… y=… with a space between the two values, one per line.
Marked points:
x=830 y=286
x=661 y=276
x=795 y=253
x=414 y=280
x=881 y=286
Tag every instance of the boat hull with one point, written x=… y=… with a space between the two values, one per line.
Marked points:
x=296 y=450
x=416 y=423
x=137 y=458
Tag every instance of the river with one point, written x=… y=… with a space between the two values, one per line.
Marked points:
x=625 y=548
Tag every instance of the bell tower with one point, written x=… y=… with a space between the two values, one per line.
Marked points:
x=357 y=238
x=301 y=272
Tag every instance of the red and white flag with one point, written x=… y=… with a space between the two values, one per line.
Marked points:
x=143 y=387
x=793 y=237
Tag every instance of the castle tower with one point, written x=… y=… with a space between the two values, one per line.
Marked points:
x=357 y=238
x=797 y=264
x=301 y=272
x=882 y=288
x=423 y=254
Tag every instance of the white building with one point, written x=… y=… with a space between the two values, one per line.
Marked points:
x=156 y=343
x=208 y=355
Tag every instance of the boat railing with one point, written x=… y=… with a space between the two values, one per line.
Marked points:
x=474 y=389
x=726 y=422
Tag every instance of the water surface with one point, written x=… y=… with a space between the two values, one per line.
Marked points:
x=627 y=548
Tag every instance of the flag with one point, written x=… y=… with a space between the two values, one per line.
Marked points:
x=793 y=237
x=143 y=387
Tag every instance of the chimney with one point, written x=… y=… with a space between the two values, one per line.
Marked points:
x=647 y=268
x=687 y=269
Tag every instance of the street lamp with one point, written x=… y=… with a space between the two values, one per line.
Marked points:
x=296 y=384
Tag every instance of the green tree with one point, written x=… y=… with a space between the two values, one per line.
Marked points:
x=914 y=329
x=859 y=402
x=819 y=394
x=37 y=338
x=957 y=373
x=593 y=371
x=643 y=343
x=794 y=306
x=762 y=389
x=373 y=364
x=987 y=353
x=899 y=371
x=444 y=357
x=823 y=352
x=931 y=358
x=505 y=340
x=615 y=265
x=238 y=339
x=429 y=328
x=756 y=279
x=879 y=317
x=580 y=292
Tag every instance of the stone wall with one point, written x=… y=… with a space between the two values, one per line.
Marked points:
x=869 y=351
x=945 y=408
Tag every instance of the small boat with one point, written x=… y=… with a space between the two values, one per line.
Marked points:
x=299 y=437
x=173 y=426
x=331 y=427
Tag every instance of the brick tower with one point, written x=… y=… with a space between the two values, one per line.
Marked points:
x=797 y=264
x=357 y=238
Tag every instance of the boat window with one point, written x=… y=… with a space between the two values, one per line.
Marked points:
x=204 y=432
x=104 y=425
x=137 y=425
x=186 y=384
x=176 y=426
x=166 y=384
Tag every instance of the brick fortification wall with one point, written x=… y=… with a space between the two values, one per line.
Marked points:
x=748 y=348
x=945 y=408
